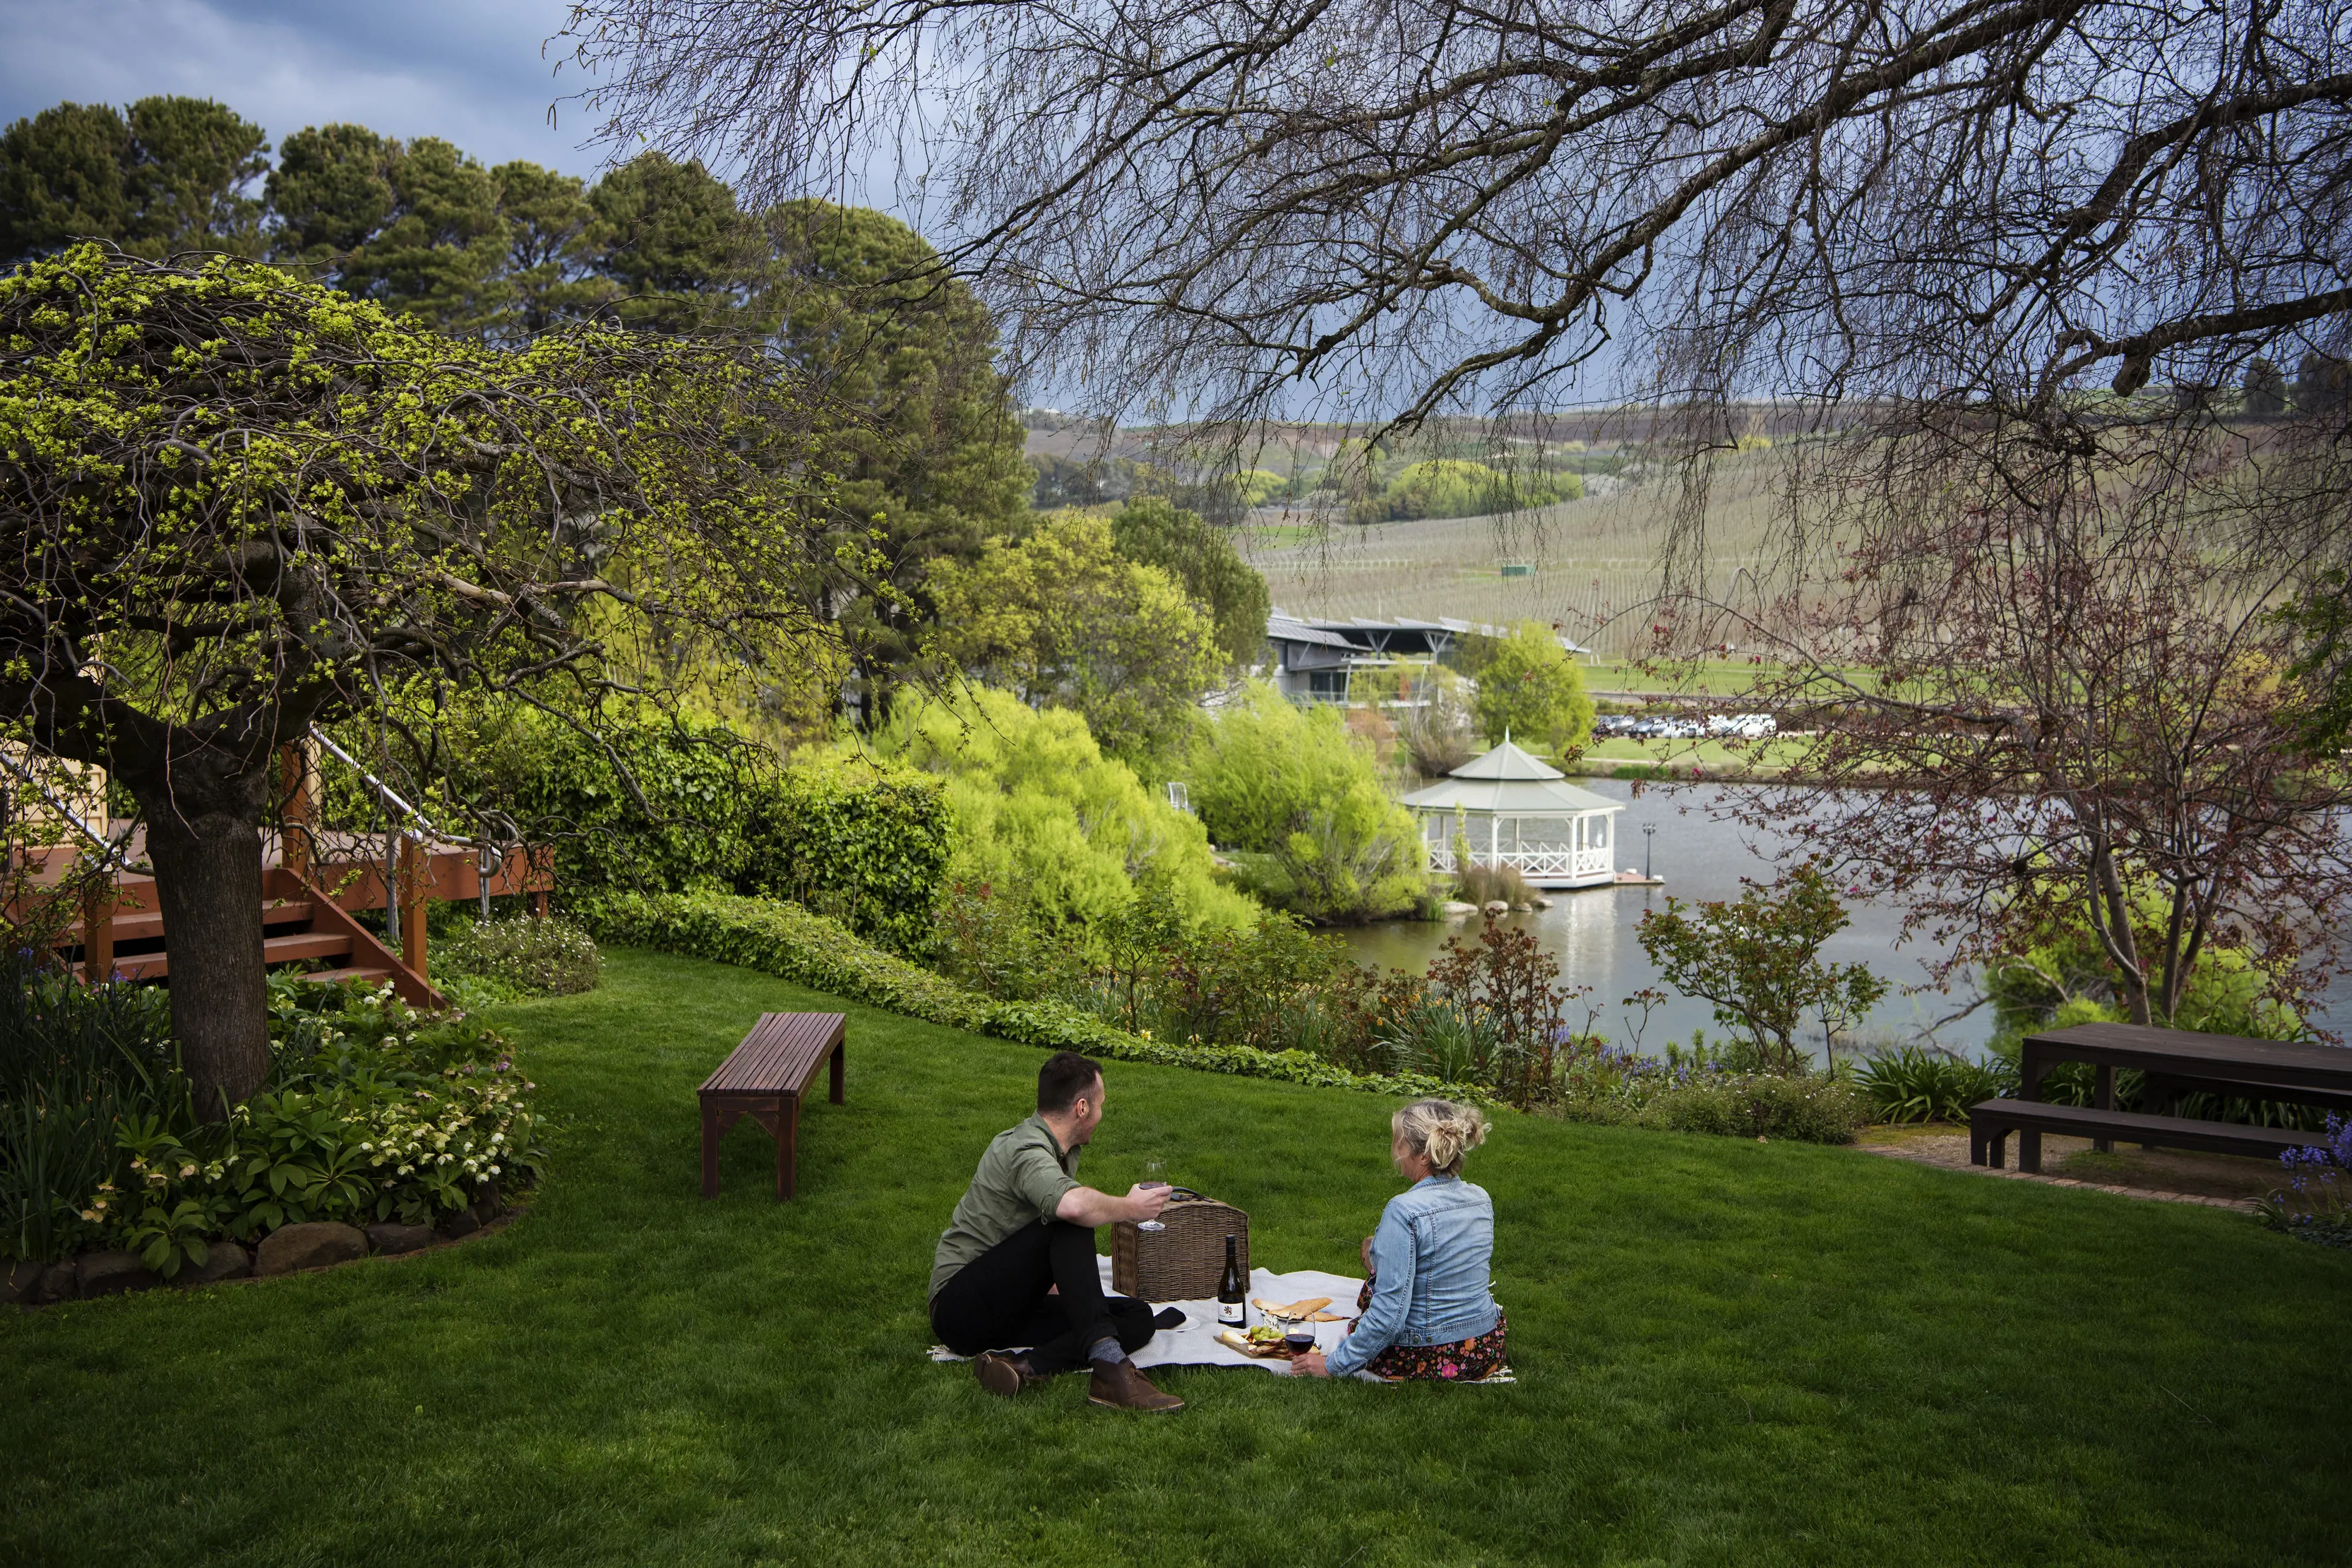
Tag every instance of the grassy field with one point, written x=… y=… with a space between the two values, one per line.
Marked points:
x=1729 y=1352
x=1719 y=761
x=1596 y=561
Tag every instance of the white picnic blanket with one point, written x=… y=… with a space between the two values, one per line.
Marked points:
x=1196 y=1342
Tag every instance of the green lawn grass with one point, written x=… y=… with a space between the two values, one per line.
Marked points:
x=1765 y=757
x=1730 y=1352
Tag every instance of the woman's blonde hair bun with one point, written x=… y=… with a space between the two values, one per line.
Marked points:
x=1441 y=1132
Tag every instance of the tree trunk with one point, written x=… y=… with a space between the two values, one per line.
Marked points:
x=207 y=858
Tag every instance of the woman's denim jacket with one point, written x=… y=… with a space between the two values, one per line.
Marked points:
x=1430 y=1258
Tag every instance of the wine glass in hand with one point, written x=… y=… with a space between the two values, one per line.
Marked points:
x=1152 y=1176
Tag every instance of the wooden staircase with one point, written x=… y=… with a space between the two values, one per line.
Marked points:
x=121 y=931
x=300 y=924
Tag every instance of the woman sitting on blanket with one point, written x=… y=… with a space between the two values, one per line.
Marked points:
x=1427 y=1310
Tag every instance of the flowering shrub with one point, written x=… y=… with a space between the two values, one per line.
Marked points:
x=2316 y=1203
x=372 y=1113
x=525 y=956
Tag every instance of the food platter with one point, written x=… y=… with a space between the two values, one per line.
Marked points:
x=1263 y=1349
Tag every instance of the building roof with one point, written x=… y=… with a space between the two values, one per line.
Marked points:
x=1508 y=782
x=1366 y=635
x=1281 y=628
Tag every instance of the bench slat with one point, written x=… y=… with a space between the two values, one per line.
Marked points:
x=766 y=1077
x=780 y=1056
x=2137 y=1126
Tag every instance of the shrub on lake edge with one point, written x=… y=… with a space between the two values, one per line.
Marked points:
x=1696 y=1092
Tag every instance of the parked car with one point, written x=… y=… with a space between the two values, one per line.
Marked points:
x=1741 y=726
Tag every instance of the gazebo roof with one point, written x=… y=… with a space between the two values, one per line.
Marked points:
x=1508 y=782
x=1507 y=761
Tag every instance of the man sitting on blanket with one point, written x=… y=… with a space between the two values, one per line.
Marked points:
x=1017 y=1264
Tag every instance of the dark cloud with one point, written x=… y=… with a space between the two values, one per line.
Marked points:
x=471 y=70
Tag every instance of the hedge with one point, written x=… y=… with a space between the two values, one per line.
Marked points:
x=868 y=845
x=792 y=943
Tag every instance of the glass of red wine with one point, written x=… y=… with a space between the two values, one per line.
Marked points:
x=1152 y=1176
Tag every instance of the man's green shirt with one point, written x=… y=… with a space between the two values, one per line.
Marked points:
x=1019 y=1181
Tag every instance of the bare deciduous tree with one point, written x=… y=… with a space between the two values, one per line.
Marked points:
x=2048 y=682
x=1195 y=205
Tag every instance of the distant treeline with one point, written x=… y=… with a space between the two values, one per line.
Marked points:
x=500 y=252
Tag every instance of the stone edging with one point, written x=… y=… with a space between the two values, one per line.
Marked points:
x=30 y=1286
x=2152 y=1195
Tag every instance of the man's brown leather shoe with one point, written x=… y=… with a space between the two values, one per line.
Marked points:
x=1003 y=1374
x=1119 y=1385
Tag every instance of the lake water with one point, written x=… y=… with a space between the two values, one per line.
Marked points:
x=1704 y=857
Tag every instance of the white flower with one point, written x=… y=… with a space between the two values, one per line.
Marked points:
x=494 y=1170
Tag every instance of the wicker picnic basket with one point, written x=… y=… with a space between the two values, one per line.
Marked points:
x=1186 y=1261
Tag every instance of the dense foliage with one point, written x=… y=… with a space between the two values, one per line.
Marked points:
x=1300 y=802
x=1530 y=689
x=932 y=466
x=1917 y=1083
x=1061 y=619
x=1456 y=487
x=1150 y=530
x=1043 y=816
x=371 y=1112
x=167 y=173
x=522 y=956
x=1705 y=1096
x=664 y=805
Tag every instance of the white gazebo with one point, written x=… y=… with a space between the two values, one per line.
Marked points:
x=1517 y=811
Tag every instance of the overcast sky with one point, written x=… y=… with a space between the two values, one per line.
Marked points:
x=469 y=70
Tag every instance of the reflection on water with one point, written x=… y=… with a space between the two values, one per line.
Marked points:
x=1701 y=857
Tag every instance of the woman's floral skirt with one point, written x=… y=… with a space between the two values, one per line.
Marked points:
x=1463 y=1361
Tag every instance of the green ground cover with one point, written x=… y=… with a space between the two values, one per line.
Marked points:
x=1730 y=1352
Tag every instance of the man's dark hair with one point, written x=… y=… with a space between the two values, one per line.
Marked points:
x=1065 y=1077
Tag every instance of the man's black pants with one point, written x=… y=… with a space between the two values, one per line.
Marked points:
x=998 y=1300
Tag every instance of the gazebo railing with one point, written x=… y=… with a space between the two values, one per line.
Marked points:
x=1532 y=862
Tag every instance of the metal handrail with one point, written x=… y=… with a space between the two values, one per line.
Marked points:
x=115 y=850
x=391 y=795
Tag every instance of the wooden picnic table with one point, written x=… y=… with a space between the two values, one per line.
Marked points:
x=766 y=1078
x=2177 y=1061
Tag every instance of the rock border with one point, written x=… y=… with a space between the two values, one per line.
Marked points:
x=309 y=1247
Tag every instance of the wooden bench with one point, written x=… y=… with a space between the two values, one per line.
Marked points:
x=1991 y=1122
x=766 y=1078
